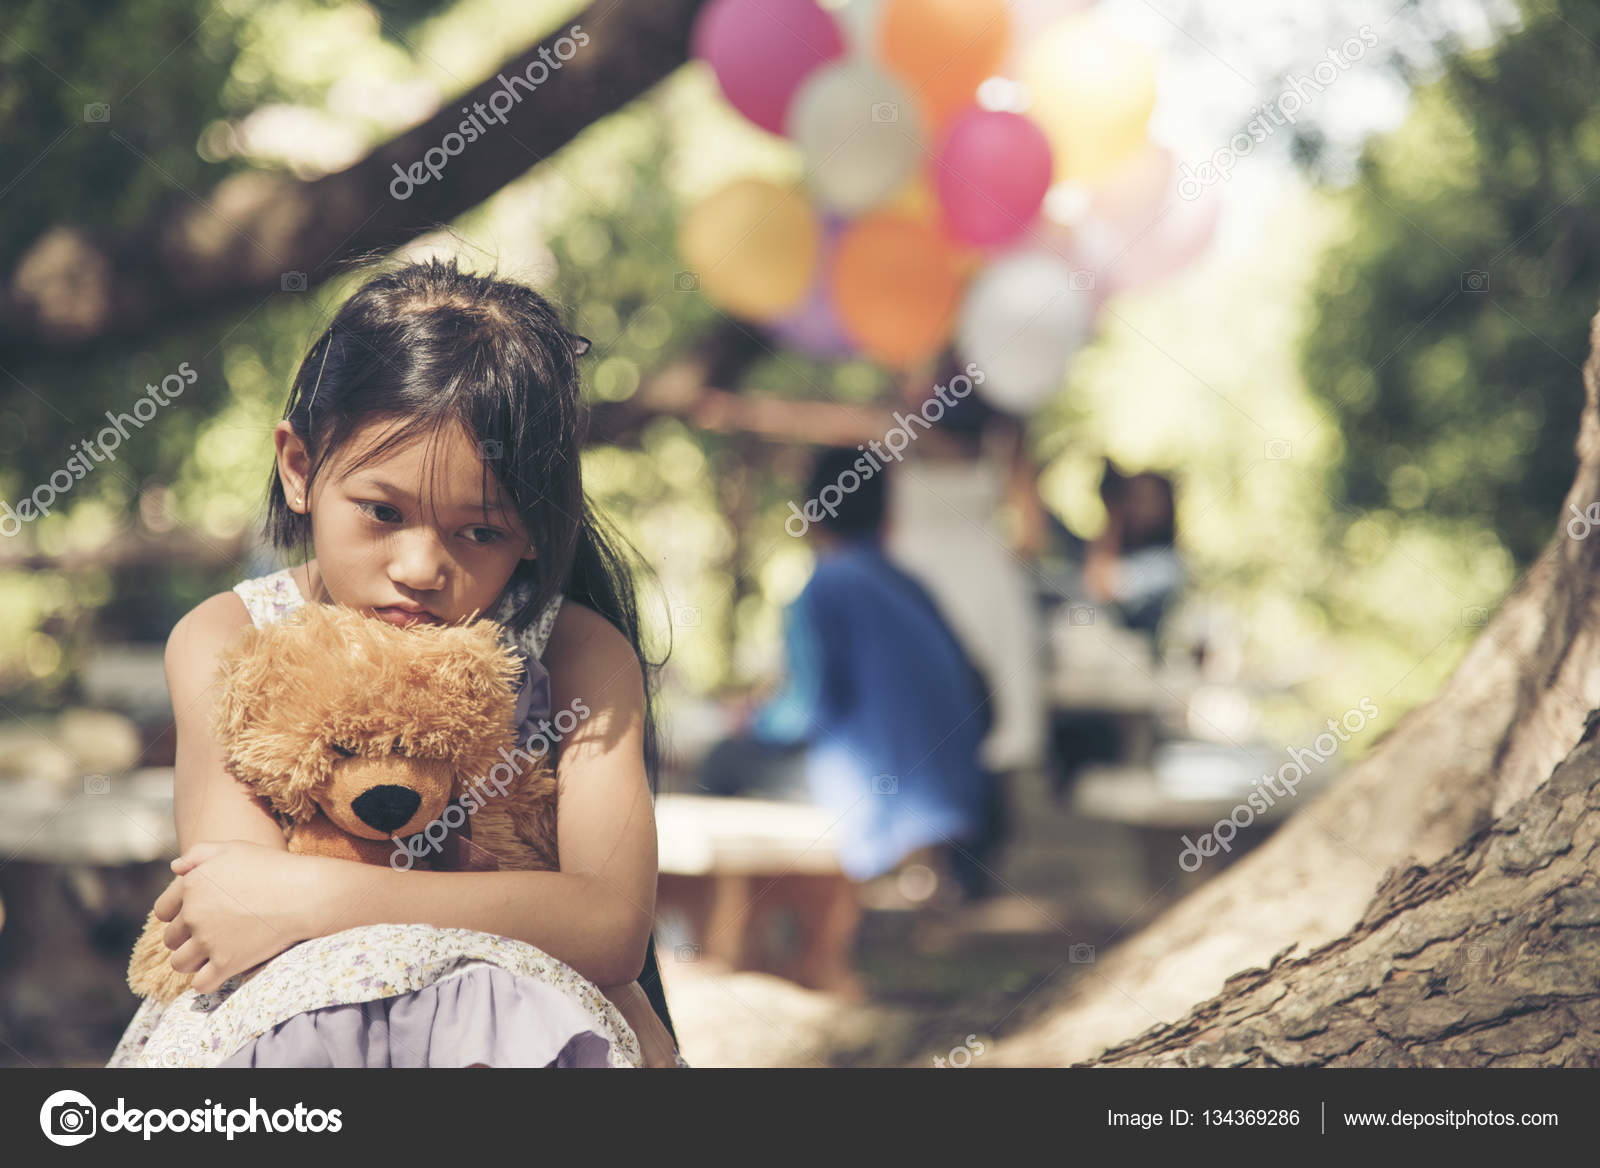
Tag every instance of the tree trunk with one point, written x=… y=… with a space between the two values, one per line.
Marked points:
x=1514 y=708
x=1485 y=958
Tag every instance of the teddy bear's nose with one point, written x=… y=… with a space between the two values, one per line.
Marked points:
x=386 y=807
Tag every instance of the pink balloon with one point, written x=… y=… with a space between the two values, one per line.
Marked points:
x=761 y=50
x=1132 y=197
x=1170 y=241
x=991 y=174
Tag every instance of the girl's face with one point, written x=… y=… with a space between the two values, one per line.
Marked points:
x=404 y=537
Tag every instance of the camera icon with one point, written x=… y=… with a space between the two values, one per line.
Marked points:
x=1080 y=614
x=687 y=281
x=885 y=111
x=1279 y=448
x=885 y=785
x=1474 y=616
x=1080 y=954
x=687 y=952
x=97 y=784
x=97 y=111
x=686 y=615
x=1082 y=280
x=67 y=1118
x=490 y=448
x=1474 y=281
x=293 y=282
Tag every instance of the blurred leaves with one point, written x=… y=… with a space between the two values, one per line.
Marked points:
x=1449 y=325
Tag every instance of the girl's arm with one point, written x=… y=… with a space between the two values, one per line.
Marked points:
x=208 y=802
x=596 y=913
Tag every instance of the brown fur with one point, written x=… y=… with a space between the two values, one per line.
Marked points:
x=427 y=708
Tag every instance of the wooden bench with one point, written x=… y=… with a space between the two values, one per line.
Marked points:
x=758 y=887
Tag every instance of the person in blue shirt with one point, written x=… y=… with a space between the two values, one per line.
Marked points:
x=880 y=714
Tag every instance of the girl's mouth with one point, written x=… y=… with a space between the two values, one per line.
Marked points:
x=403 y=617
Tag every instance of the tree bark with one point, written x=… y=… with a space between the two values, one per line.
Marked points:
x=1485 y=958
x=77 y=287
x=1514 y=708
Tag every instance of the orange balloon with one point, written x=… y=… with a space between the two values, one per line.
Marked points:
x=943 y=49
x=896 y=285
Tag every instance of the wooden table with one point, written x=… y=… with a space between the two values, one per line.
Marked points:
x=741 y=871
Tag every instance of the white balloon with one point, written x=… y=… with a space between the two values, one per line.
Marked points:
x=1023 y=319
x=859 y=133
x=858 y=20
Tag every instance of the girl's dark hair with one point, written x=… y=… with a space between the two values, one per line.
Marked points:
x=435 y=347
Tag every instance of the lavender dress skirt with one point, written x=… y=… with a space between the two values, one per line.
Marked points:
x=390 y=996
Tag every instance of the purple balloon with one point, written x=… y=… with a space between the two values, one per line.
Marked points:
x=992 y=173
x=814 y=328
x=761 y=50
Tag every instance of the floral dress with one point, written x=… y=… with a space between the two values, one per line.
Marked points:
x=394 y=994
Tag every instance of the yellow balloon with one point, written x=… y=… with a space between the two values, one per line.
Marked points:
x=753 y=247
x=915 y=200
x=1093 y=91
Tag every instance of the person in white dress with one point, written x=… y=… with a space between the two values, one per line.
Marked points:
x=947 y=527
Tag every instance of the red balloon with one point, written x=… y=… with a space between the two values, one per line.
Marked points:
x=991 y=172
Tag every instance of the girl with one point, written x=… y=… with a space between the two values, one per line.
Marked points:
x=430 y=455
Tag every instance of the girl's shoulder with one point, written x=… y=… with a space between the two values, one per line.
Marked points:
x=583 y=641
x=200 y=635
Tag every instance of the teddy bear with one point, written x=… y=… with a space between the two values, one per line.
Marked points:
x=361 y=735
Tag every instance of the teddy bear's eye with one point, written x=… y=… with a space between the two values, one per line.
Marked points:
x=397 y=749
x=340 y=748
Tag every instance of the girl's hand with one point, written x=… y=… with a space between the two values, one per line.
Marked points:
x=233 y=905
x=655 y=1044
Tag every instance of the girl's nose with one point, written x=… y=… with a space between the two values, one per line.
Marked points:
x=418 y=564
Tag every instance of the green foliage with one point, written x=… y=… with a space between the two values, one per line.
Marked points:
x=1449 y=325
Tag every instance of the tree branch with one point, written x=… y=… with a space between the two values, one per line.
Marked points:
x=77 y=286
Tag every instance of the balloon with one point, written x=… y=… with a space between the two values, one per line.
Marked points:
x=1023 y=319
x=858 y=21
x=859 y=133
x=915 y=200
x=943 y=49
x=992 y=172
x=1092 y=93
x=1169 y=241
x=1129 y=199
x=896 y=284
x=814 y=327
x=761 y=50
x=1086 y=249
x=1029 y=18
x=753 y=246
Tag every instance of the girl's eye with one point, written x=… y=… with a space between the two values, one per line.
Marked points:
x=340 y=748
x=491 y=535
x=370 y=509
